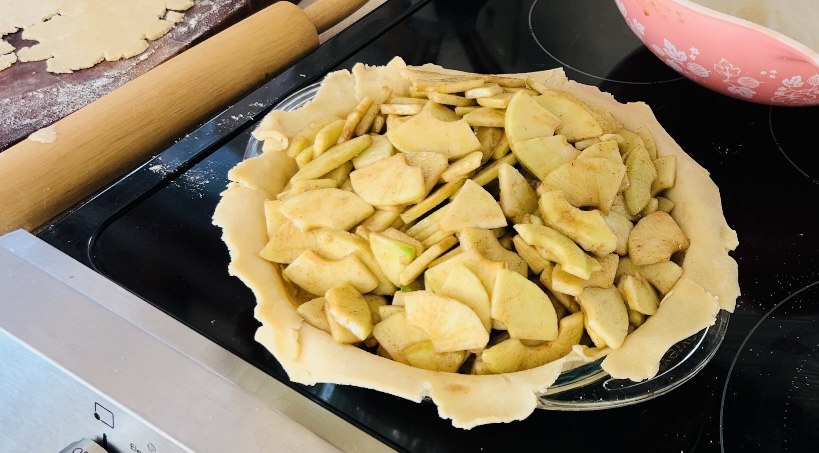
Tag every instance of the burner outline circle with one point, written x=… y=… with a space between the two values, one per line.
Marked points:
x=740 y=350
x=605 y=79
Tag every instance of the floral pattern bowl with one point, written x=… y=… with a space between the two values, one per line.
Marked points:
x=725 y=53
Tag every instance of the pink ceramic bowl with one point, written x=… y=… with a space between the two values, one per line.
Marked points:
x=725 y=53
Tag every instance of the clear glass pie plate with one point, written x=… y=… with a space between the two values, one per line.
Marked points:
x=587 y=386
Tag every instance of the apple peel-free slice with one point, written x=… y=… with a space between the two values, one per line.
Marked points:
x=472 y=207
x=451 y=325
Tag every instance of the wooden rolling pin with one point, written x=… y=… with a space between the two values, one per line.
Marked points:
x=112 y=135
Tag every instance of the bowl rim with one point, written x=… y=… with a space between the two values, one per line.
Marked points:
x=813 y=55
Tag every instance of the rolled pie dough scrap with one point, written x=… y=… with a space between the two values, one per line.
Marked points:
x=44 y=135
x=86 y=32
x=17 y=14
x=5 y=48
x=7 y=60
x=6 y=57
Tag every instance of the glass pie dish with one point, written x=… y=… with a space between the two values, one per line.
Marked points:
x=586 y=386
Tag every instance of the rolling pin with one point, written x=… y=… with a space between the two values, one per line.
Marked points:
x=110 y=136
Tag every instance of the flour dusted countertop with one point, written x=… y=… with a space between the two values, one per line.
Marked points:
x=32 y=98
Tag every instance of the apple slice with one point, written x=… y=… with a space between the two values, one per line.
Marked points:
x=394 y=334
x=472 y=207
x=486 y=244
x=423 y=80
x=484 y=269
x=542 y=155
x=568 y=254
x=389 y=182
x=663 y=275
x=336 y=244
x=621 y=226
x=641 y=175
x=666 y=167
x=638 y=293
x=517 y=198
x=313 y=312
x=287 y=243
x=655 y=238
x=464 y=286
x=606 y=314
x=309 y=210
x=607 y=149
x=392 y=255
x=381 y=148
x=317 y=275
x=526 y=119
x=332 y=158
x=453 y=139
x=508 y=356
x=523 y=307
x=576 y=123
x=350 y=309
x=587 y=228
x=511 y=355
x=423 y=355
x=450 y=324
x=593 y=182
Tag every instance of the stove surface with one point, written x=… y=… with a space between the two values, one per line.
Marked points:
x=151 y=232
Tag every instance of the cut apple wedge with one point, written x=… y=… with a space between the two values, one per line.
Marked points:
x=423 y=355
x=587 y=228
x=313 y=312
x=512 y=355
x=348 y=307
x=576 y=123
x=606 y=314
x=472 y=207
x=517 y=197
x=638 y=293
x=526 y=119
x=317 y=275
x=570 y=256
x=336 y=244
x=607 y=149
x=655 y=238
x=389 y=182
x=641 y=175
x=523 y=307
x=663 y=275
x=450 y=324
x=487 y=245
x=464 y=286
x=484 y=269
x=542 y=155
x=453 y=139
x=392 y=255
x=432 y=165
x=287 y=243
x=394 y=334
x=308 y=210
x=593 y=182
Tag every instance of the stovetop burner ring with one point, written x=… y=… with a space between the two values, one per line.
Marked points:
x=742 y=348
x=788 y=142
x=627 y=47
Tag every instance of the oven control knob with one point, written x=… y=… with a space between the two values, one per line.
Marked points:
x=83 y=446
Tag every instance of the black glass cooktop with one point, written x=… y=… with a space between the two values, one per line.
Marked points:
x=151 y=232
